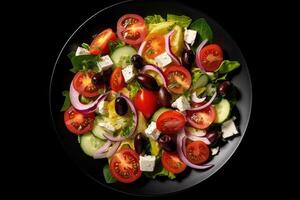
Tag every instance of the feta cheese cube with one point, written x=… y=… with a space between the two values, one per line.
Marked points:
x=151 y=131
x=128 y=73
x=190 y=36
x=181 y=104
x=229 y=129
x=215 y=151
x=102 y=107
x=147 y=163
x=105 y=63
x=163 y=59
x=107 y=125
x=81 y=51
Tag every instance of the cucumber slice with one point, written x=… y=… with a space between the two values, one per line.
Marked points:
x=222 y=111
x=98 y=132
x=158 y=113
x=90 y=144
x=122 y=56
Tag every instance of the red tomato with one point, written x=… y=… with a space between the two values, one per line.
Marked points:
x=170 y=122
x=197 y=152
x=211 y=56
x=131 y=29
x=77 y=122
x=83 y=84
x=178 y=79
x=155 y=45
x=124 y=166
x=145 y=101
x=203 y=118
x=172 y=162
x=117 y=81
x=100 y=44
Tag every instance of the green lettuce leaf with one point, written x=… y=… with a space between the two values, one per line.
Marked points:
x=67 y=102
x=83 y=62
x=228 y=66
x=134 y=87
x=154 y=19
x=107 y=175
x=181 y=20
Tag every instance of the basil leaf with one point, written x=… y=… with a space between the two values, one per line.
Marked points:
x=227 y=66
x=107 y=175
x=203 y=29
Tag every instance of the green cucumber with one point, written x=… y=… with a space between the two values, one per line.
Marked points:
x=98 y=132
x=158 y=113
x=121 y=57
x=90 y=144
x=222 y=111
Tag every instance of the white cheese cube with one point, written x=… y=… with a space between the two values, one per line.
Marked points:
x=107 y=125
x=215 y=151
x=105 y=63
x=151 y=131
x=190 y=36
x=128 y=73
x=102 y=107
x=229 y=129
x=181 y=104
x=163 y=59
x=147 y=163
x=81 y=51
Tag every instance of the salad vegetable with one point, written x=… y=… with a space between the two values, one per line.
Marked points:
x=142 y=98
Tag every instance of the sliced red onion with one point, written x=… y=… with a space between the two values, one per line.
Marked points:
x=197 y=99
x=157 y=70
x=181 y=148
x=169 y=49
x=119 y=138
x=141 y=49
x=100 y=152
x=197 y=60
x=184 y=144
x=113 y=149
x=205 y=105
x=187 y=46
x=198 y=133
x=196 y=138
x=84 y=108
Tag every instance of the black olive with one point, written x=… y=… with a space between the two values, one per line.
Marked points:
x=167 y=143
x=139 y=143
x=97 y=79
x=188 y=58
x=224 y=87
x=121 y=106
x=164 y=97
x=106 y=76
x=147 y=82
x=137 y=61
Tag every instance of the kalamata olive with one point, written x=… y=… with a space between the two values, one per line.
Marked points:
x=164 y=97
x=97 y=79
x=121 y=106
x=223 y=88
x=147 y=82
x=137 y=61
x=188 y=58
x=167 y=143
x=106 y=76
x=139 y=143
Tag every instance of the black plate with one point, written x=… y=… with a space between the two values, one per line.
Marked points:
x=62 y=77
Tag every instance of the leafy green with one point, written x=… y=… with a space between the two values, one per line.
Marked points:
x=85 y=45
x=159 y=171
x=83 y=62
x=222 y=78
x=181 y=20
x=134 y=87
x=164 y=172
x=67 y=102
x=227 y=66
x=107 y=175
x=113 y=45
x=203 y=29
x=196 y=76
x=154 y=19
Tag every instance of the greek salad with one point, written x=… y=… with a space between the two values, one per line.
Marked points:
x=152 y=96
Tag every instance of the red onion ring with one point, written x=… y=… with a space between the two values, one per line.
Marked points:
x=84 y=108
x=113 y=149
x=205 y=105
x=196 y=138
x=197 y=60
x=181 y=149
x=187 y=46
x=197 y=99
x=169 y=49
x=141 y=49
x=99 y=153
x=135 y=120
x=157 y=70
x=199 y=133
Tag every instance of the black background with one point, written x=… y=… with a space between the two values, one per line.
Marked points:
x=250 y=171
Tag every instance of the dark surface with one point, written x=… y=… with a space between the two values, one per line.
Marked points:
x=257 y=169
